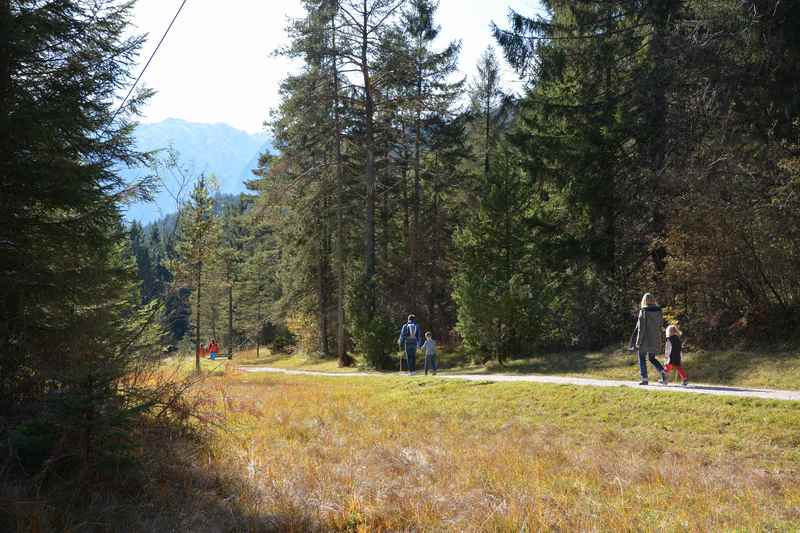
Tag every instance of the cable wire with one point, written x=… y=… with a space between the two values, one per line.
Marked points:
x=139 y=77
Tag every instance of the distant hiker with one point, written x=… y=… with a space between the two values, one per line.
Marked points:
x=410 y=339
x=646 y=337
x=430 y=352
x=213 y=349
x=673 y=353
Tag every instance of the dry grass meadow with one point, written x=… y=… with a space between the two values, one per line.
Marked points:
x=393 y=453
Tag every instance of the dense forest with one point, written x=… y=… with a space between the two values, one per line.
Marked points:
x=653 y=148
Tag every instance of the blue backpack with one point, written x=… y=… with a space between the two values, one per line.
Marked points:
x=412 y=330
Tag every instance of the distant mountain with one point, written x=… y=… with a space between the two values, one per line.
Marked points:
x=217 y=149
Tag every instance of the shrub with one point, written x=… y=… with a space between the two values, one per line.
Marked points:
x=277 y=336
x=374 y=334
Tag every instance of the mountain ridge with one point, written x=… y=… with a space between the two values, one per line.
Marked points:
x=220 y=149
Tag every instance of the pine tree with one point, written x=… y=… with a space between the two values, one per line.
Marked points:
x=489 y=107
x=196 y=253
x=496 y=283
x=431 y=100
x=231 y=257
x=339 y=184
x=576 y=127
x=306 y=173
x=145 y=267
x=67 y=319
x=364 y=24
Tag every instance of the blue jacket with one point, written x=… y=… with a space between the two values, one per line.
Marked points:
x=405 y=334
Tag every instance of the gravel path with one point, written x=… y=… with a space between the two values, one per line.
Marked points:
x=693 y=388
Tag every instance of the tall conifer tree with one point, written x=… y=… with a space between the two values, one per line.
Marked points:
x=196 y=255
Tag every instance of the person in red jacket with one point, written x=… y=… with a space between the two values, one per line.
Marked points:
x=213 y=349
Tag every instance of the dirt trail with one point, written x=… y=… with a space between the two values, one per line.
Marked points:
x=693 y=388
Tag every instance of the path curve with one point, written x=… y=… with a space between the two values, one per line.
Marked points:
x=694 y=388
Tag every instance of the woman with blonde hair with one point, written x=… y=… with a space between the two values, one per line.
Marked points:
x=647 y=337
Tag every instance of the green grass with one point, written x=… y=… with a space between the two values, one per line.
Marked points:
x=295 y=361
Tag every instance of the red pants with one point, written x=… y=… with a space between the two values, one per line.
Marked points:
x=681 y=371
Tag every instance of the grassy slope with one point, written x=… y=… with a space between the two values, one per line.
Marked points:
x=770 y=369
x=302 y=453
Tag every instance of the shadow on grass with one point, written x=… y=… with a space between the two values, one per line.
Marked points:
x=162 y=484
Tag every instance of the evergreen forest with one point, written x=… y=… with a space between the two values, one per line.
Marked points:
x=651 y=146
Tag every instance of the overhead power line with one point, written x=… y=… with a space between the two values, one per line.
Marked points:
x=139 y=77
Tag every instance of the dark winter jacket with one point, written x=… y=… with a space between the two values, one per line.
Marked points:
x=647 y=335
x=673 y=350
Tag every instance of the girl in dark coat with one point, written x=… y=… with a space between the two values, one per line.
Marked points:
x=673 y=352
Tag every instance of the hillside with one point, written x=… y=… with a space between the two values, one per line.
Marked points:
x=218 y=149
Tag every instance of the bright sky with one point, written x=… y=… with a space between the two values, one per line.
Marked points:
x=216 y=66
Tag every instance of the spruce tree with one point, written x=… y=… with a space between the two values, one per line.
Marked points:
x=496 y=284
x=576 y=127
x=68 y=323
x=431 y=97
x=197 y=254
x=488 y=108
x=364 y=24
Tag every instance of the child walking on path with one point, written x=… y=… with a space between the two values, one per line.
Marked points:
x=430 y=352
x=673 y=352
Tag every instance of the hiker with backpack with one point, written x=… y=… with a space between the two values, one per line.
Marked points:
x=646 y=337
x=410 y=339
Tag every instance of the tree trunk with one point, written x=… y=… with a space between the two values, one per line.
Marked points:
x=11 y=301
x=197 y=320
x=488 y=129
x=609 y=260
x=406 y=213
x=322 y=296
x=258 y=317
x=230 y=313
x=369 y=178
x=386 y=215
x=5 y=59
x=658 y=113
x=433 y=258
x=415 y=197
x=341 y=352
x=387 y=179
